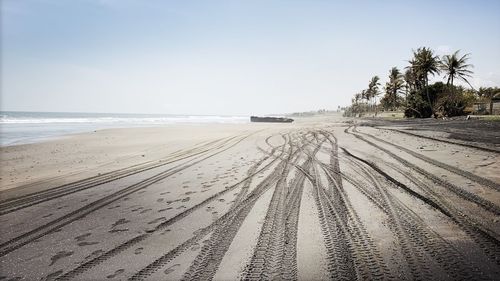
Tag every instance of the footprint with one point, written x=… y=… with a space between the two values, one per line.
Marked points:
x=165 y=231
x=222 y=200
x=118 y=272
x=163 y=210
x=157 y=220
x=60 y=255
x=186 y=199
x=82 y=237
x=93 y=255
x=138 y=250
x=159 y=200
x=31 y=258
x=181 y=207
x=145 y=211
x=46 y=216
x=166 y=192
x=171 y=269
x=120 y=221
x=118 y=230
x=51 y=276
x=85 y=243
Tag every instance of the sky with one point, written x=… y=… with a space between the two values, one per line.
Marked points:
x=226 y=57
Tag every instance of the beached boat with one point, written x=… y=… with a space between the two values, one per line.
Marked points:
x=271 y=119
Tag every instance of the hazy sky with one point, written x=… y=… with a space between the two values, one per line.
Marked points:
x=225 y=57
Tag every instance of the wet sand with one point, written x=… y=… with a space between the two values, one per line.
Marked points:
x=322 y=198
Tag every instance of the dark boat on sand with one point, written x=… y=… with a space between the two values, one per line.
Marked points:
x=271 y=119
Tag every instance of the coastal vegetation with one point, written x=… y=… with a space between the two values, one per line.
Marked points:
x=410 y=91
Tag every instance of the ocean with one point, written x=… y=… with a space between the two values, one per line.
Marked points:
x=29 y=127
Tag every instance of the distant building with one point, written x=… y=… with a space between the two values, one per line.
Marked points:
x=495 y=104
x=487 y=107
x=480 y=108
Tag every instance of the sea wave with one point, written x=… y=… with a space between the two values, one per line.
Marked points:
x=125 y=120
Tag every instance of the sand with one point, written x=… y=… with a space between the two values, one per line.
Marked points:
x=321 y=198
x=74 y=157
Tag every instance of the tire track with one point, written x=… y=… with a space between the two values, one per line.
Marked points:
x=233 y=218
x=244 y=190
x=359 y=258
x=338 y=243
x=206 y=263
x=481 y=202
x=367 y=257
x=487 y=240
x=460 y=172
x=54 y=225
x=420 y=244
x=275 y=253
x=11 y=205
x=445 y=141
x=139 y=239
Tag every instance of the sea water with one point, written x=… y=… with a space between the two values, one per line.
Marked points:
x=28 y=127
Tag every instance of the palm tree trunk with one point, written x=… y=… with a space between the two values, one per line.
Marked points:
x=428 y=97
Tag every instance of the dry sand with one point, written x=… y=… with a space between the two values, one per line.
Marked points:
x=322 y=198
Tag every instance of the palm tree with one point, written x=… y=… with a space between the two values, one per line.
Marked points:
x=364 y=95
x=372 y=92
x=424 y=63
x=455 y=67
x=394 y=86
x=410 y=82
x=357 y=97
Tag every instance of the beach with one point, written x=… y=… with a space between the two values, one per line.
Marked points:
x=324 y=197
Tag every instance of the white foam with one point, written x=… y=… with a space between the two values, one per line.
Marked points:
x=126 y=120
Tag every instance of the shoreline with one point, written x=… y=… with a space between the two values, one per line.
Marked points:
x=17 y=127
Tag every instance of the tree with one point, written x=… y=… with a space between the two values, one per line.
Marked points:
x=372 y=92
x=410 y=83
x=487 y=92
x=424 y=62
x=364 y=95
x=393 y=88
x=456 y=68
